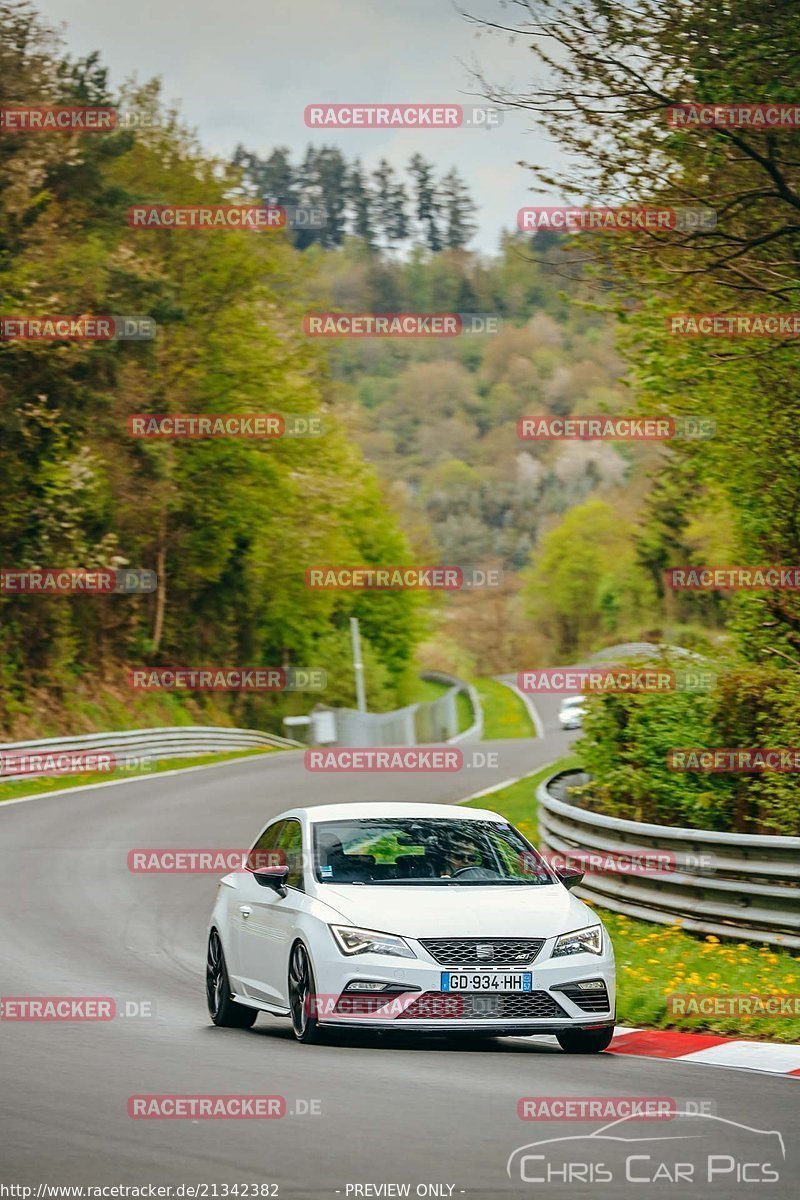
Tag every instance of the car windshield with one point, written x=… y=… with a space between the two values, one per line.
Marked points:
x=422 y=850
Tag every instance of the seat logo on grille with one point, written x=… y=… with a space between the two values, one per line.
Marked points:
x=484 y=952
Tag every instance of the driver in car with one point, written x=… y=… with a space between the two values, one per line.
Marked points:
x=462 y=854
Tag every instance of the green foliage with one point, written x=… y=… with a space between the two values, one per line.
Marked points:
x=441 y=415
x=585 y=585
x=618 y=70
x=627 y=737
x=731 y=497
x=625 y=742
x=230 y=526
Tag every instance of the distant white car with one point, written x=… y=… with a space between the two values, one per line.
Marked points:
x=416 y=917
x=572 y=712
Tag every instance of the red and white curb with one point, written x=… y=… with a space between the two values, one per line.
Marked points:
x=708 y=1048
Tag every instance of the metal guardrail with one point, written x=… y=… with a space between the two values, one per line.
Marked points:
x=424 y=722
x=750 y=892
x=475 y=730
x=130 y=747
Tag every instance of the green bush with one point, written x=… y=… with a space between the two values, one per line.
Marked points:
x=627 y=737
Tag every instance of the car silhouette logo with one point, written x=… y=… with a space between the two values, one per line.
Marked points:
x=698 y=1129
x=484 y=952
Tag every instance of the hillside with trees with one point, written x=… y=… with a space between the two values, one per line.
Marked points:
x=613 y=75
x=228 y=525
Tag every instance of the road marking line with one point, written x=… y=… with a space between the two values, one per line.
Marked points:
x=90 y=787
x=497 y=787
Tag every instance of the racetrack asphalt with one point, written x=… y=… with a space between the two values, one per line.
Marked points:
x=76 y=921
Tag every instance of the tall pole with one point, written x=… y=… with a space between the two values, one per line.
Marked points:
x=358 y=666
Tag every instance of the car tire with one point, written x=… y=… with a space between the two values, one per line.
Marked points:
x=222 y=1008
x=585 y=1041
x=302 y=995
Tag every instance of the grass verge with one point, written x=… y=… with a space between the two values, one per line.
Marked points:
x=504 y=713
x=53 y=783
x=655 y=961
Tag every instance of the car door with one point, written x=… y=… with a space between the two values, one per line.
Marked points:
x=241 y=904
x=269 y=920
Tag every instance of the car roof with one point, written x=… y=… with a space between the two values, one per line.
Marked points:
x=397 y=808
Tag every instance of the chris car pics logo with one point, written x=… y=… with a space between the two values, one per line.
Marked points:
x=697 y=1148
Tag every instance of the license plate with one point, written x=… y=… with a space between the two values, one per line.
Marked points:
x=487 y=981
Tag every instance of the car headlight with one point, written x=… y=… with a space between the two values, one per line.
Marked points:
x=588 y=940
x=352 y=940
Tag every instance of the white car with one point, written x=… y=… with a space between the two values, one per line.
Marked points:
x=572 y=711
x=415 y=917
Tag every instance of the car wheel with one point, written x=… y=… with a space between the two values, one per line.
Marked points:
x=302 y=996
x=585 y=1041
x=223 y=1009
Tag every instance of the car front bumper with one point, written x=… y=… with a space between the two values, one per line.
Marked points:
x=417 y=1001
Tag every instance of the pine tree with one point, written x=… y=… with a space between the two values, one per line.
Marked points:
x=329 y=175
x=391 y=204
x=278 y=183
x=428 y=208
x=383 y=189
x=361 y=202
x=398 y=226
x=459 y=208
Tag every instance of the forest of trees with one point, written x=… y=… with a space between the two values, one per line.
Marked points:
x=381 y=208
x=611 y=73
x=229 y=525
x=438 y=420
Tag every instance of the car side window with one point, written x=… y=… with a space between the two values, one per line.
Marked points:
x=290 y=844
x=264 y=853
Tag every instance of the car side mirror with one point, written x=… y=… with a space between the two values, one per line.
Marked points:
x=272 y=877
x=569 y=877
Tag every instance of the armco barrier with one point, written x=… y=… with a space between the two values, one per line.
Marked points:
x=475 y=730
x=134 y=744
x=427 y=721
x=751 y=894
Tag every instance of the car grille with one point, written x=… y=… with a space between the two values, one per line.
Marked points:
x=595 y=1001
x=463 y=952
x=474 y=1006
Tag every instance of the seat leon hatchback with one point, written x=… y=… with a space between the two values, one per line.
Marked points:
x=417 y=917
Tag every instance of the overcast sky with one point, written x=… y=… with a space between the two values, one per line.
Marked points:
x=244 y=71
